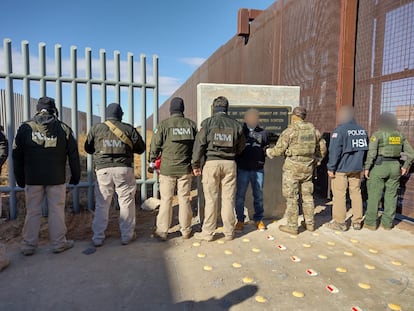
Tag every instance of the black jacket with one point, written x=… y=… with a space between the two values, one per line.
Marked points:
x=41 y=149
x=108 y=150
x=220 y=138
x=253 y=155
x=4 y=148
x=347 y=148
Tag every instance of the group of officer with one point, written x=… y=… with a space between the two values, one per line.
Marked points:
x=351 y=157
x=228 y=156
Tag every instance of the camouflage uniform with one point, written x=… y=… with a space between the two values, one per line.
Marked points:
x=302 y=146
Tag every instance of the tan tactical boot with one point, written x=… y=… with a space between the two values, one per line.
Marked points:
x=239 y=226
x=203 y=237
x=289 y=229
x=64 y=247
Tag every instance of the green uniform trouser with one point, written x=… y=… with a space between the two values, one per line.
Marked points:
x=387 y=174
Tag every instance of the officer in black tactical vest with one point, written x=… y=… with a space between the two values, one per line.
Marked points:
x=41 y=148
x=219 y=140
x=113 y=144
x=173 y=140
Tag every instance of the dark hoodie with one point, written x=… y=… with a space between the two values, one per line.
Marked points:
x=41 y=149
x=253 y=156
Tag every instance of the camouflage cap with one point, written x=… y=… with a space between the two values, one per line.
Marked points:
x=300 y=112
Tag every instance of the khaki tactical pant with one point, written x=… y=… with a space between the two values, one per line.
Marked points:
x=108 y=181
x=55 y=197
x=185 y=214
x=219 y=175
x=342 y=182
x=295 y=184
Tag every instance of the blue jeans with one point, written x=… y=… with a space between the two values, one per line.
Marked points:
x=255 y=178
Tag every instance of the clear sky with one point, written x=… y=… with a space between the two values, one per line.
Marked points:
x=181 y=32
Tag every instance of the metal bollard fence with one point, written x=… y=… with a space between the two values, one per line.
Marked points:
x=17 y=113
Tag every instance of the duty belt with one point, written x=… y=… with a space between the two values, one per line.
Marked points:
x=390 y=159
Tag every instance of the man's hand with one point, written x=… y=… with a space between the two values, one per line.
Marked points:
x=403 y=171
x=269 y=153
x=366 y=174
x=331 y=174
x=74 y=182
x=151 y=168
x=197 y=171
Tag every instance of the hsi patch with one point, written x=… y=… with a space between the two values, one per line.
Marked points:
x=373 y=138
x=334 y=135
x=394 y=140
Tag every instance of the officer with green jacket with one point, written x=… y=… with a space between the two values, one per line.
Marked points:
x=173 y=140
x=219 y=140
x=383 y=169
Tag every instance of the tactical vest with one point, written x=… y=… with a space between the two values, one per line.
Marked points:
x=303 y=142
x=111 y=144
x=390 y=145
x=41 y=137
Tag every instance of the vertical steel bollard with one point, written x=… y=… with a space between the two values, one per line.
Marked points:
x=10 y=122
x=26 y=81
x=74 y=112
x=144 y=125
x=103 y=85
x=58 y=66
x=155 y=186
x=89 y=113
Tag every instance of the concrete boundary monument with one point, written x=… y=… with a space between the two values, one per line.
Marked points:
x=275 y=104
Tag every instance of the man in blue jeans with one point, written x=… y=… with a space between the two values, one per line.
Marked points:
x=250 y=165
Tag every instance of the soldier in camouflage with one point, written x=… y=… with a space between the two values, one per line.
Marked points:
x=383 y=169
x=303 y=148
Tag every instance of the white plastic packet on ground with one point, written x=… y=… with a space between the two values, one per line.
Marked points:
x=151 y=204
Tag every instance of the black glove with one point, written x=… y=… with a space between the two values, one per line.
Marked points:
x=151 y=168
x=73 y=181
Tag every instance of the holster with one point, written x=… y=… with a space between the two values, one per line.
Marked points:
x=379 y=160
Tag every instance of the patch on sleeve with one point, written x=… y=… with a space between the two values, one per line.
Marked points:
x=373 y=138
x=334 y=135
x=155 y=130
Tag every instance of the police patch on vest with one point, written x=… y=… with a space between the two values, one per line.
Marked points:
x=223 y=137
x=181 y=134
x=394 y=140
